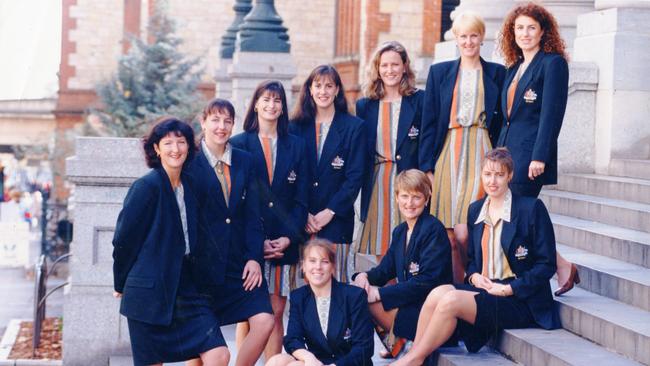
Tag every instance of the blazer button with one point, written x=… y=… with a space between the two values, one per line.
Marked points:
x=228 y=221
x=315 y=184
x=270 y=204
x=398 y=157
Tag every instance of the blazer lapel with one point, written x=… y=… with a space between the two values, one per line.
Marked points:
x=476 y=241
x=401 y=254
x=191 y=210
x=526 y=78
x=447 y=91
x=312 y=321
x=282 y=161
x=508 y=233
x=171 y=197
x=236 y=181
x=510 y=74
x=406 y=113
x=255 y=148
x=491 y=89
x=372 y=118
x=308 y=131
x=331 y=144
x=214 y=187
x=335 y=320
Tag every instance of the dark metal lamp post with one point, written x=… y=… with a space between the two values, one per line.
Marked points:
x=241 y=7
x=262 y=30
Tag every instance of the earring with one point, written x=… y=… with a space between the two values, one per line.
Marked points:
x=481 y=43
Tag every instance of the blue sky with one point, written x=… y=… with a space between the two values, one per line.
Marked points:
x=30 y=48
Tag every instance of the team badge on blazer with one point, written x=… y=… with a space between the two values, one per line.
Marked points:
x=292 y=177
x=521 y=252
x=414 y=268
x=348 y=334
x=530 y=96
x=337 y=163
x=413 y=132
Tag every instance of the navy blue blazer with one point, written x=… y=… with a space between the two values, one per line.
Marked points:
x=419 y=267
x=350 y=334
x=408 y=131
x=283 y=202
x=149 y=246
x=528 y=242
x=436 y=107
x=236 y=229
x=337 y=178
x=536 y=117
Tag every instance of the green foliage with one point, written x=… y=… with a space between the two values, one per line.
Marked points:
x=153 y=79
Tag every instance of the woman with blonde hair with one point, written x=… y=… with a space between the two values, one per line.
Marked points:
x=391 y=112
x=461 y=118
x=534 y=99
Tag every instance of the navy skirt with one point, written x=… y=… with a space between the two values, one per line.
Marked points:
x=233 y=304
x=194 y=329
x=493 y=313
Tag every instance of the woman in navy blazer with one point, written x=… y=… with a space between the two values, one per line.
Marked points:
x=419 y=257
x=154 y=251
x=335 y=152
x=391 y=112
x=461 y=119
x=282 y=188
x=329 y=322
x=533 y=100
x=511 y=260
x=225 y=177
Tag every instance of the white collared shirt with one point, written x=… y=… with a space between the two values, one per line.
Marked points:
x=226 y=158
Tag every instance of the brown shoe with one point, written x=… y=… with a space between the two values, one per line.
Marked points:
x=574 y=279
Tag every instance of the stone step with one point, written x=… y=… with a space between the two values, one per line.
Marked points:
x=458 y=356
x=633 y=168
x=555 y=348
x=630 y=215
x=614 y=325
x=622 y=188
x=618 y=280
x=615 y=242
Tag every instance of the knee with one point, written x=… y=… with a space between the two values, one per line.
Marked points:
x=449 y=303
x=219 y=356
x=262 y=322
x=279 y=360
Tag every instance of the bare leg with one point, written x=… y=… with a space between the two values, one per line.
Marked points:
x=462 y=236
x=253 y=344
x=218 y=356
x=454 y=305
x=563 y=269
x=241 y=331
x=274 y=345
x=196 y=361
x=457 y=263
x=428 y=308
x=281 y=359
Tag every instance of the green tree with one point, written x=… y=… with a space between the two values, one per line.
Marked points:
x=152 y=79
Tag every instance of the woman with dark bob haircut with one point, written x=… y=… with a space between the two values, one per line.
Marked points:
x=533 y=100
x=154 y=250
x=336 y=158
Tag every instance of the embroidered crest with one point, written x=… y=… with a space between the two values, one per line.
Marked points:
x=413 y=132
x=292 y=176
x=530 y=96
x=337 y=163
x=414 y=268
x=348 y=334
x=521 y=252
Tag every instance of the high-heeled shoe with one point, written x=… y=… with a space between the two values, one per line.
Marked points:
x=574 y=279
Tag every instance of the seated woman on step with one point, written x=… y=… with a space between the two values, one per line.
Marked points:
x=511 y=260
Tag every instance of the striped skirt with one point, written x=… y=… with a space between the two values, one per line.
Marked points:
x=281 y=278
x=457 y=177
x=383 y=213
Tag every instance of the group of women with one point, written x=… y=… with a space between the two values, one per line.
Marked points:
x=213 y=234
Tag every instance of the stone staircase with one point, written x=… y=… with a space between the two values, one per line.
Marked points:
x=602 y=224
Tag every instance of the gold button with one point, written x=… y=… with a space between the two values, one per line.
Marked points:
x=270 y=204
x=228 y=221
x=315 y=184
x=398 y=157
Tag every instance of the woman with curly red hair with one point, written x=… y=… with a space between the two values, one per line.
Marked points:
x=534 y=100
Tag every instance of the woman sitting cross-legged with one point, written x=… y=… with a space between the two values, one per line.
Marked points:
x=329 y=322
x=511 y=260
x=419 y=257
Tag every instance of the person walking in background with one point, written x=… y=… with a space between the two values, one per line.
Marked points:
x=511 y=260
x=329 y=322
x=225 y=189
x=391 y=112
x=154 y=251
x=419 y=258
x=335 y=144
x=461 y=117
x=534 y=100
x=282 y=189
